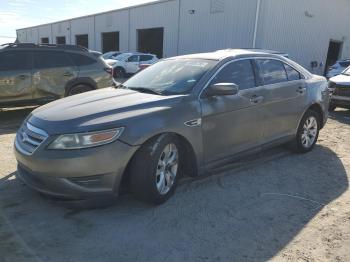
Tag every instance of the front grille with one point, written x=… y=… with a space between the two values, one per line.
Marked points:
x=29 y=138
x=341 y=90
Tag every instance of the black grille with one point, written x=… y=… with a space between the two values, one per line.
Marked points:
x=29 y=138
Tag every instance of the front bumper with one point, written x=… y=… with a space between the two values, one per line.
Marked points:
x=341 y=101
x=75 y=174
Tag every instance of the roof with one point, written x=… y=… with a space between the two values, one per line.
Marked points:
x=223 y=54
x=101 y=13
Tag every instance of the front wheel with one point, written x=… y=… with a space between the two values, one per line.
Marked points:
x=308 y=132
x=155 y=170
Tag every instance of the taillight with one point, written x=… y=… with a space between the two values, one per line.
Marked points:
x=109 y=70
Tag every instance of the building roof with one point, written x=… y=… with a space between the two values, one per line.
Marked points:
x=101 y=13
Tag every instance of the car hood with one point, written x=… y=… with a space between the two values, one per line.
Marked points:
x=99 y=110
x=341 y=79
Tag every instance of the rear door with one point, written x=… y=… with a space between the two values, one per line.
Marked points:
x=284 y=100
x=52 y=71
x=133 y=64
x=15 y=75
x=232 y=124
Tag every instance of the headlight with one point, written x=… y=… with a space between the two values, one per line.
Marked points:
x=86 y=140
x=112 y=63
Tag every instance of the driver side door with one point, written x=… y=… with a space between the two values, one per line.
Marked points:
x=232 y=124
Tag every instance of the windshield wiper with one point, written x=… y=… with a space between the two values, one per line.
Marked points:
x=145 y=90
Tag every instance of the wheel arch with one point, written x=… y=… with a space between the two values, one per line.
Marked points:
x=190 y=166
x=80 y=81
x=318 y=109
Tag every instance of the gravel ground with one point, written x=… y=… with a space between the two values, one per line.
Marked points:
x=274 y=206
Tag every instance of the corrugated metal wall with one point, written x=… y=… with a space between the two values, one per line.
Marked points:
x=207 y=25
x=300 y=28
x=304 y=28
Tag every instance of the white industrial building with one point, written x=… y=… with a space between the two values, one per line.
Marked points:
x=308 y=30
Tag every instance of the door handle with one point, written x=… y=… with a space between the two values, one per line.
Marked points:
x=256 y=99
x=301 y=90
x=22 y=77
x=68 y=74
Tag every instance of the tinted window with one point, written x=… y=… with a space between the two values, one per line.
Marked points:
x=15 y=60
x=146 y=58
x=51 y=59
x=292 y=73
x=133 y=58
x=81 y=60
x=240 y=73
x=272 y=71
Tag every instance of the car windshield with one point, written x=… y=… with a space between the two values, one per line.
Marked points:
x=121 y=57
x=170 y=77
x=346 y=71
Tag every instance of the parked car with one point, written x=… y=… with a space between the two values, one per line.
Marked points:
x=337 y=68
x=32 y=73
x=182 y=116
x=340 y=89
x=129 y=63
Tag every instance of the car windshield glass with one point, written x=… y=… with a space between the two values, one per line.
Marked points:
x=171 y=77
x=121 y=57
x=346 y=71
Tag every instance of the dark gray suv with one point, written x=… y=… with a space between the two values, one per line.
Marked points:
x=182 y=116
x=32 y=73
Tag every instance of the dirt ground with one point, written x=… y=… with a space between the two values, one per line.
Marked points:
x=276 y=206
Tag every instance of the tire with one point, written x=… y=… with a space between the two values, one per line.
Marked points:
x=331 y=107
x=148 y=169
x=119 y=72
x=78 y=89
x=308 y=132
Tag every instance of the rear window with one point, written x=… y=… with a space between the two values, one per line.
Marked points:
x=51 y=59
x=81 y=60
x=145 y=58
x=272 y=71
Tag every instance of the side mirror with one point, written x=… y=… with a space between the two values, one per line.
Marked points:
x=222 y=89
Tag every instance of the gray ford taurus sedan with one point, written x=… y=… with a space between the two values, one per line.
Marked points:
x=182 y=116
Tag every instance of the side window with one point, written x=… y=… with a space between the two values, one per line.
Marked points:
x=240 y=73
x=292 y=73
x=81 y=60
x=133 y=58
x=51 y=59
x=15 y=60
x=144 y=58
x=272 y=71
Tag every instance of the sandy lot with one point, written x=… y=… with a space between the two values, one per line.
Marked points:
x=275 y=206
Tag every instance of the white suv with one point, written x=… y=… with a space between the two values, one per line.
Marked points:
x=129 y=63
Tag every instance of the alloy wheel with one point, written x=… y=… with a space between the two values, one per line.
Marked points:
x=309 y=133
x=167 y=169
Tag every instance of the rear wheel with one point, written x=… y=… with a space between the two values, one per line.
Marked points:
x=308 y=132
x=78 y=89
x=155 y=170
